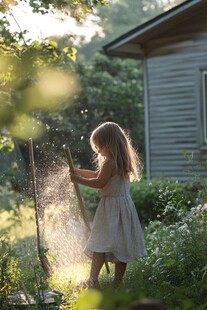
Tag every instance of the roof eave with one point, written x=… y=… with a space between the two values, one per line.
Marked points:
x=128 y=50
x=144 y=32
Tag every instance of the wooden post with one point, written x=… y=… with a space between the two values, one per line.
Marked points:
x=80 y=200
x=43 y=259
x=77 y=189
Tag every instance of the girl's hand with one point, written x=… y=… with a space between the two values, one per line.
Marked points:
x=97 y=179
x=73 y=177
x=75 y=170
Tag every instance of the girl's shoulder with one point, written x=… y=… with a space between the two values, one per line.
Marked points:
x=110 y=162
x=111 y=165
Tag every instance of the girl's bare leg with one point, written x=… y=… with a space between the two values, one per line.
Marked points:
x=120 y=269
x=96 y=265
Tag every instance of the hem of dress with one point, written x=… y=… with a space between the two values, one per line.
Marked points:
x=112 y=258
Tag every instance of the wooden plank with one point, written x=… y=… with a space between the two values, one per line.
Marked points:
x=175 y=148
x=187 y=174
x=173 y=130
x=171 y=149
x=174 y=91
x=171 y=120
x=185 y=60
x=169 y=167
x=175 y=115
x=165 y=105
x=173 y=127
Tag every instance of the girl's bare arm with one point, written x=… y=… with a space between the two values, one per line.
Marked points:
x=98 y=181
x=86 y=173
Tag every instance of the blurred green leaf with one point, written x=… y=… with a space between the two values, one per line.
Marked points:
x=89 y=299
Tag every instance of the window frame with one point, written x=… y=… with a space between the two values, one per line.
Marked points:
x=201 y=100
x=204 y=105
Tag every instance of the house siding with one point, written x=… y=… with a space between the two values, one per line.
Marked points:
x=173 y=62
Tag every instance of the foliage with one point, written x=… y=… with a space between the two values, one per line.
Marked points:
x=9 y=271
x=76 y=8
x=151 y=198
x=91 y=200
x=174 y=269
x=7 y=146
x=20 y=271
x=107 y=299
x=10 y=200
x=120 y=17
x=36 y=76
x=89 y=299
x=18 y=277
x=33 y=78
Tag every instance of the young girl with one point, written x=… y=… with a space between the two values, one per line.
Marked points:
x=116 y=234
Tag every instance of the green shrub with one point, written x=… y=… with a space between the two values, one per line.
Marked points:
x=174 y=270
x=151 y=198
x=9 y=272
x=10 y=200
x=91 y=200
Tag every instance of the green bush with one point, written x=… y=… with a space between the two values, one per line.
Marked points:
x=91 y=200
x=174 y=270
x=9 y=272
x=151 y=198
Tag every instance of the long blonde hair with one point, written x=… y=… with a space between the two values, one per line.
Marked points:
x=117 y=141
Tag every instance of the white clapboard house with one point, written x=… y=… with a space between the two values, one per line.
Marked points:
x=173 y=48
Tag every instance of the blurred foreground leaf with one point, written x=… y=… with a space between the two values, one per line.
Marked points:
x=34 y=78
x=89 y=299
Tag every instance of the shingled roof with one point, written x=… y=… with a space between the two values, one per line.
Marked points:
x=131 y=43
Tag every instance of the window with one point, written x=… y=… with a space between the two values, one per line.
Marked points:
x=204 y=100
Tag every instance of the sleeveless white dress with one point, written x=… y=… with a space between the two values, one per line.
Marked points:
x=116 y=229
